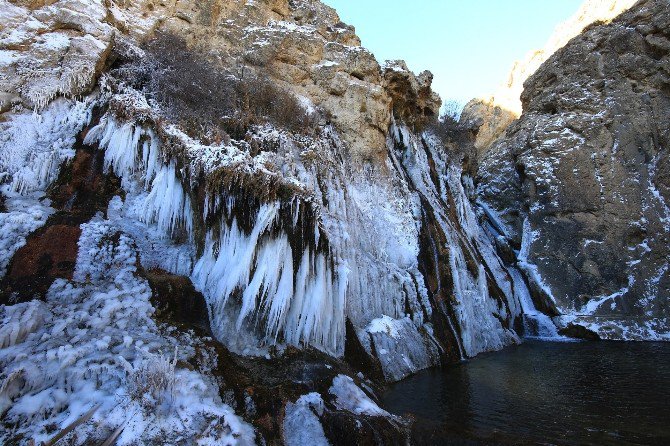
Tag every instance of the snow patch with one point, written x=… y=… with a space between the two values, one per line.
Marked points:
x=301 y=423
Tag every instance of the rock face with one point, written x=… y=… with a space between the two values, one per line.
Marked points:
x=251 y=154
x=491 y=116
x=580 y=182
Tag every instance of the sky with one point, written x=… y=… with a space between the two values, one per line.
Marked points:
x=469 y=45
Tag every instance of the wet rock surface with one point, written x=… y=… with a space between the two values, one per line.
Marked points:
x=50 y=253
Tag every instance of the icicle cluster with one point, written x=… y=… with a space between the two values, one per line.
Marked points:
x=132 y=152
x=299 y=304
x=302 y=304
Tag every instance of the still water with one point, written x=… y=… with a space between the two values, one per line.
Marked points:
x=546 y=393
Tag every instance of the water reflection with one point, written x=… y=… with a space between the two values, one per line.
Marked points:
x=551 y=393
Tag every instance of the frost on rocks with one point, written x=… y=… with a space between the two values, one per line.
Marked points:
x=301 y=422
x=401 y=349
x=33 y=146
x=24 y=215
x=93 y=344
x=350 y=397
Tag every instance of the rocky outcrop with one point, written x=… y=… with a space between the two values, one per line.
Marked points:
x=579 y=184
x=491 y=116
x=305 y=47
x=414 y=103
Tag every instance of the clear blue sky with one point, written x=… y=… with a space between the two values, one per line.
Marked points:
x=469 y=45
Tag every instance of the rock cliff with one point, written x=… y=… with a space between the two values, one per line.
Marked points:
x=491 y=116
x=579 y=182
x=249 y=158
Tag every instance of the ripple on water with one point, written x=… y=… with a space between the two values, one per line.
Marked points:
x=555 y=393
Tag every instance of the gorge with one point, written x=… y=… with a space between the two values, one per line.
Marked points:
x=225 y=222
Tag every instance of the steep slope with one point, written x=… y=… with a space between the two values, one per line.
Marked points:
x=579 y=183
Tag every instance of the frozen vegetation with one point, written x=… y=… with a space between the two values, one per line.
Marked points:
x=92 y=345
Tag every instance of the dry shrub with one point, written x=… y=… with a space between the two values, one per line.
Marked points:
x=153 y=382
x=450 y=131
x=205 y=99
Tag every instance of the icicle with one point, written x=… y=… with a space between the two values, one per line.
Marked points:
x=150 y=151
x=122 y=145
x=305 y=306
x=167 y=204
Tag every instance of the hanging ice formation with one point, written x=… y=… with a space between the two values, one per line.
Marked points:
x=402 y=250
x=268 y=255
x=132 y=153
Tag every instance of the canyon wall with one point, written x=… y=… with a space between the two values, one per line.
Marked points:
x=579 y=183
x=253 y=157
x=492 y=115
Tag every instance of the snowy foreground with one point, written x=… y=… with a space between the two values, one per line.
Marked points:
x=94 y=345
x=93 y=353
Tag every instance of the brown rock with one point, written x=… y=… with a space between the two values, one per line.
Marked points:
x=177 y=301
x=413 y=100
x=50 y=253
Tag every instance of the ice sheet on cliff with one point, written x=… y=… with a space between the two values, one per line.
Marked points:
x=297 y=302
x=263 y=289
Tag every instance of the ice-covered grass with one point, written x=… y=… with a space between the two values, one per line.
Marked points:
x=93 y=343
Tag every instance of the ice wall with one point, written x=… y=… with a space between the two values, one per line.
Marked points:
x=483 y=322
x=346 y=245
